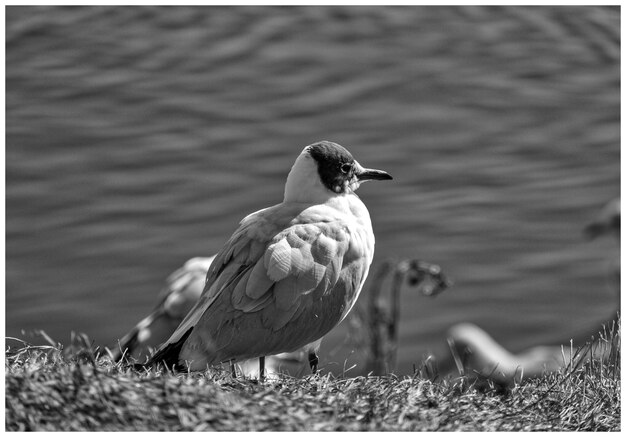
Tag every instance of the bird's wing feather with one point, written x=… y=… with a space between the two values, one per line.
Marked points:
x=206 y=300
x=277 y=264
x=303 y=259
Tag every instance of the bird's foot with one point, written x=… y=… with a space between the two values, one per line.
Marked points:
x=313 y=362
x=261 y=369
x=233 y=369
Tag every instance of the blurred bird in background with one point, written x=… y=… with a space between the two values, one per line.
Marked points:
x=477 y=354
x=182 y=290
x=289 y=274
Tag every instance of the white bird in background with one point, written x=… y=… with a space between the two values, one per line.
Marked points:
x=182 y=290
x=289 y=274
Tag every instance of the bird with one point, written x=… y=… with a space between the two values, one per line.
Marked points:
x=182 y=290
x=606 y=221
x=289 y=273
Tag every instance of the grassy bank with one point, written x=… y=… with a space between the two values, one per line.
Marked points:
x=51 y=389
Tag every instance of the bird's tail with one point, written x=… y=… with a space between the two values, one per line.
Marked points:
x=130 y=344
x=125 y=345
x=167 y=355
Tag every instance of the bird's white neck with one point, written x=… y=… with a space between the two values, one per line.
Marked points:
x=304 y=184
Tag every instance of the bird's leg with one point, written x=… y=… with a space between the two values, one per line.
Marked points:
x=261 y=369
x=313 y=362
x=233 y=371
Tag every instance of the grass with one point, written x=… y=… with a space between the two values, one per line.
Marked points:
x=51 y=389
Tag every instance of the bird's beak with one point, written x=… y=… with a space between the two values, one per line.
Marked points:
x=369 y=174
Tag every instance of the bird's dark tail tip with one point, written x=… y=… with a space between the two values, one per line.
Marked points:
x=125 y=346
x=166 y=356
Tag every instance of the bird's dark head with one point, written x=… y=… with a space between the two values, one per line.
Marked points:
x=338 y=170
x=325 y=169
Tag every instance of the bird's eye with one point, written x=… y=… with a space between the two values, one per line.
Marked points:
x=345 y=168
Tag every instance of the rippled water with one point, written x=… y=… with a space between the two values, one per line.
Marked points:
x=139 y=137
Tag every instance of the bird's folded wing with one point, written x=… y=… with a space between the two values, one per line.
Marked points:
x=239 y=254
x=299 y=266
x=261 y=268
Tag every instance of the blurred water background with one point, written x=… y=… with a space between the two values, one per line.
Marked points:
x=137 y=137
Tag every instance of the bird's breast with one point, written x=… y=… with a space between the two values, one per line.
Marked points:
x=357 y=217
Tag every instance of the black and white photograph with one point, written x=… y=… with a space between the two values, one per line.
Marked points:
x=248 y=217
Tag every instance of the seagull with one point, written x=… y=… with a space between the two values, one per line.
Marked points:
x=182 y=290
x=289 y=273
